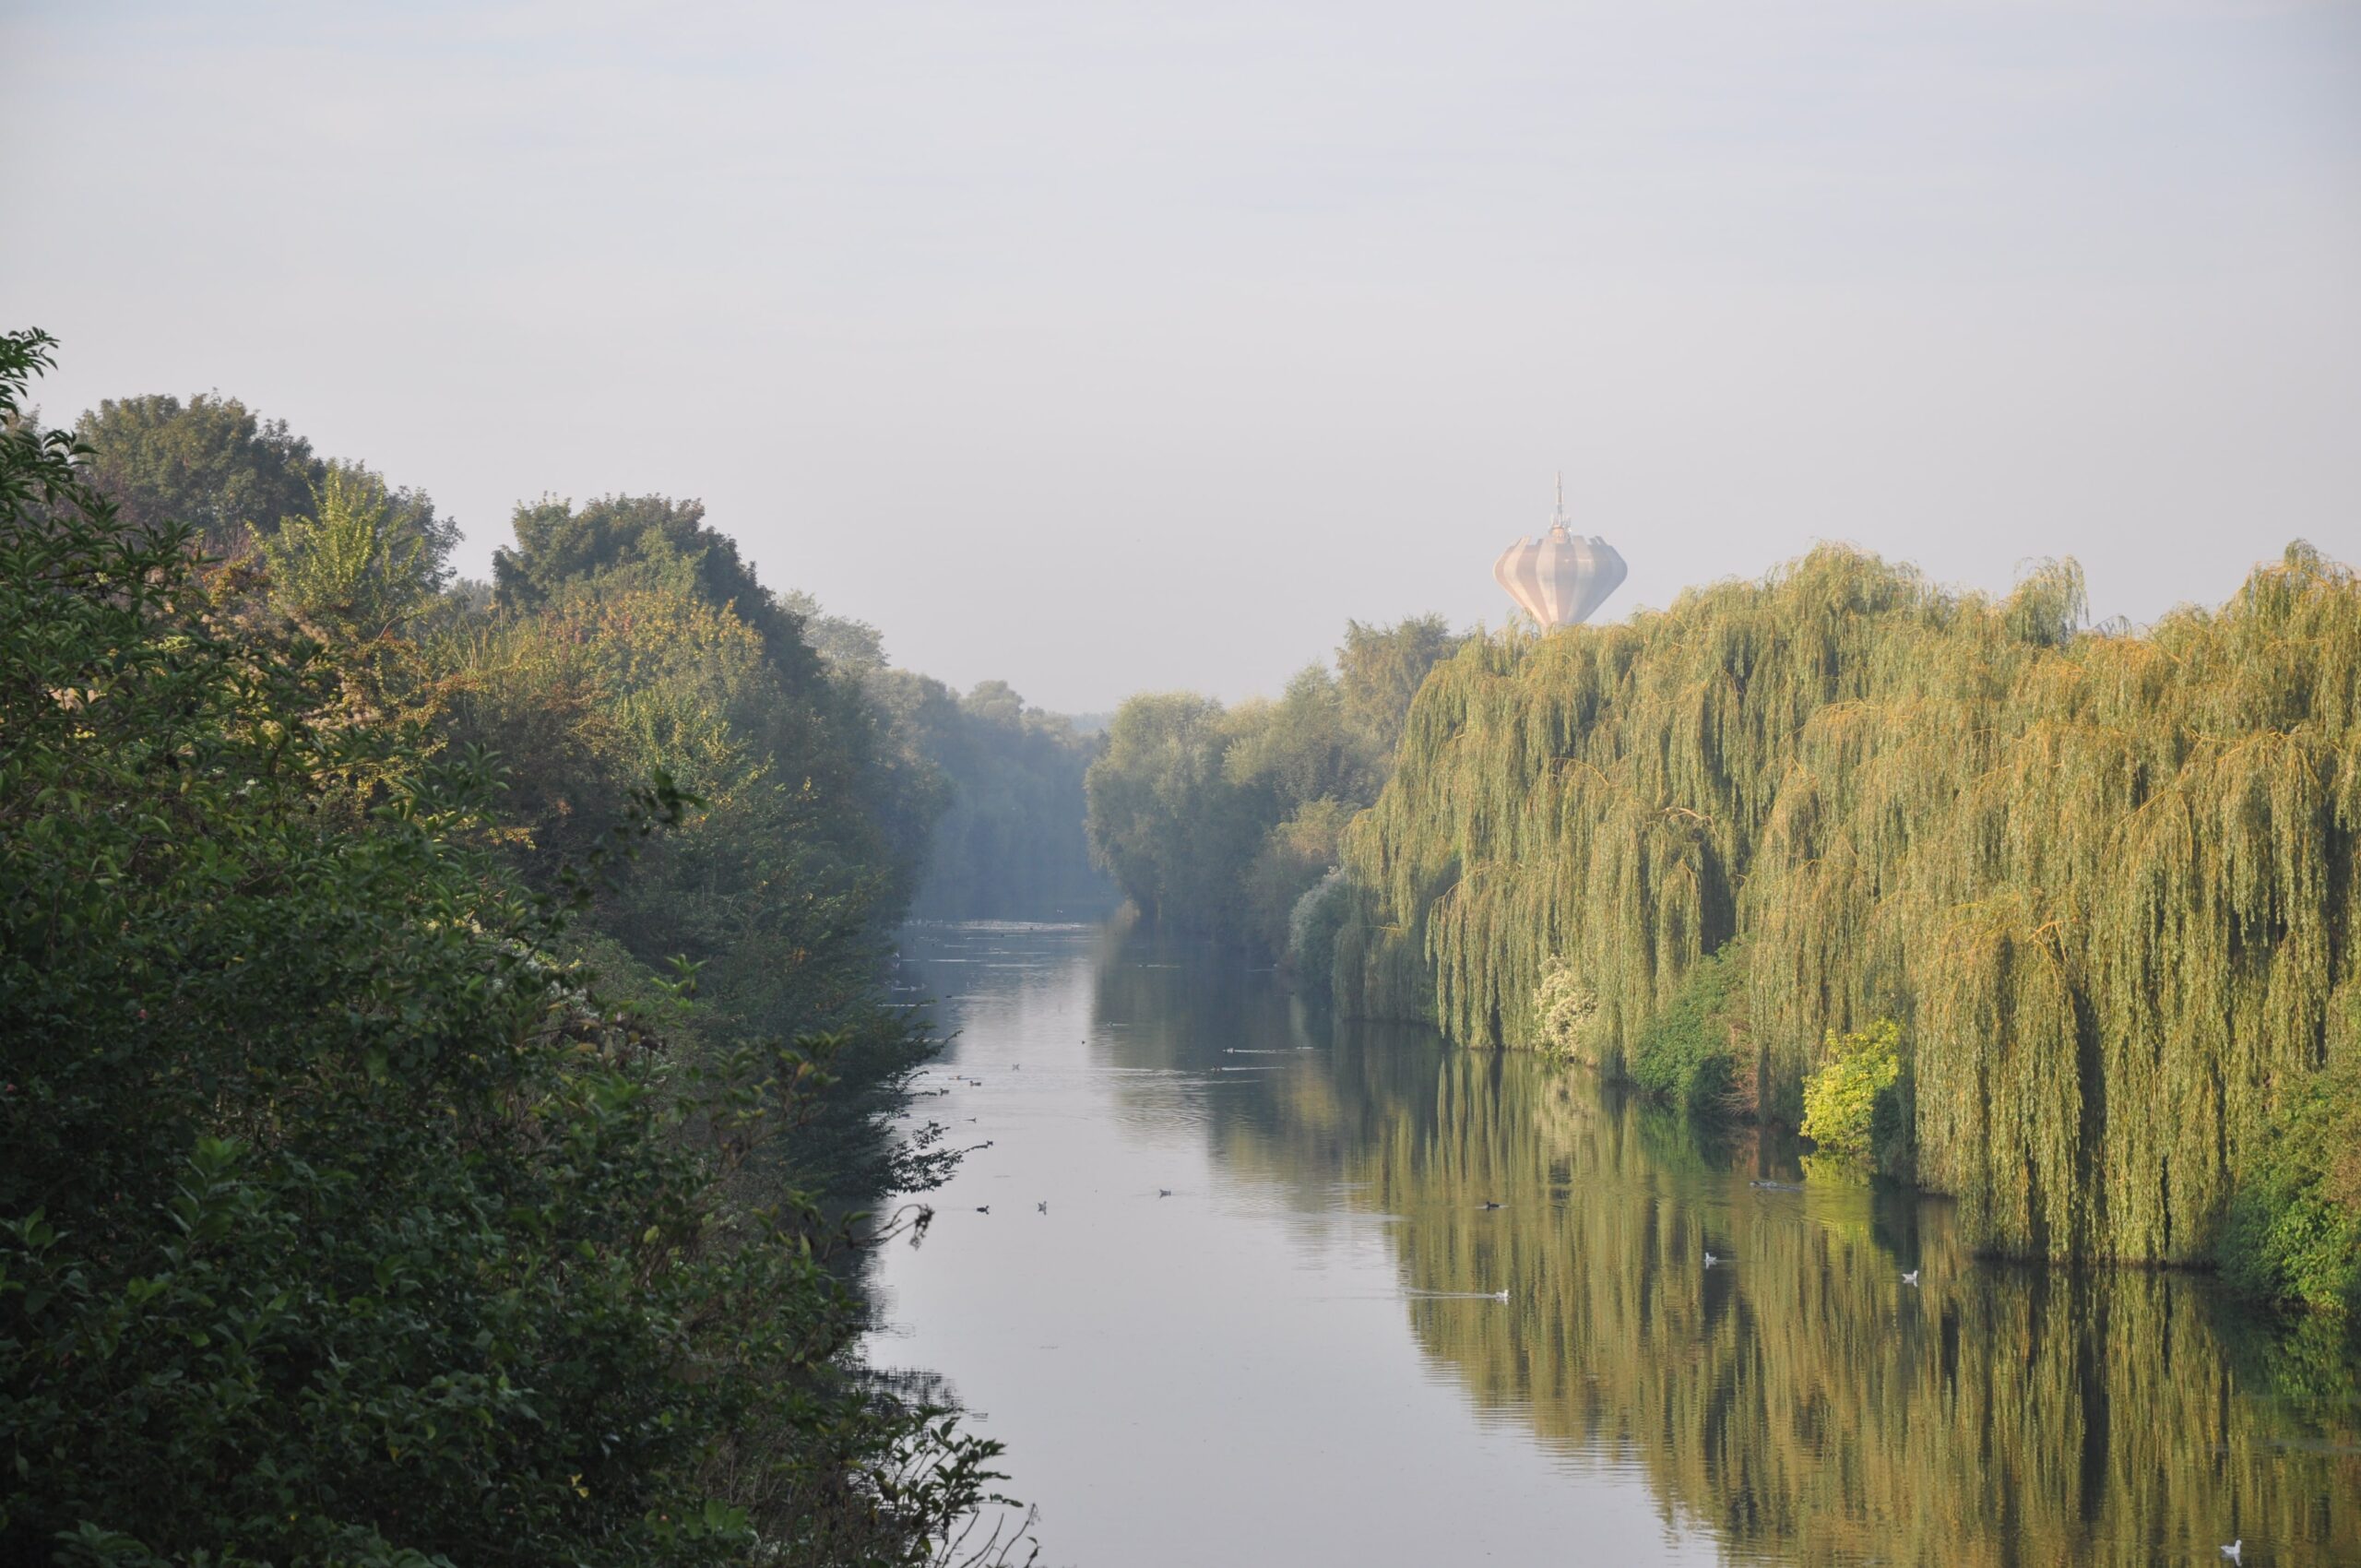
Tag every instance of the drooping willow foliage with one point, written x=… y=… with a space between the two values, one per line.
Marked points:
x=2105 y=880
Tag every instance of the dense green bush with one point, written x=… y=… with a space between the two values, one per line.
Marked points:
x=1691 y=1050
x=2295 y=1227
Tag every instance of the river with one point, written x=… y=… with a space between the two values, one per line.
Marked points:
x=1298 y=1356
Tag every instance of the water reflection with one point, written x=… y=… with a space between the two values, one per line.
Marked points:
x=1797 y=1398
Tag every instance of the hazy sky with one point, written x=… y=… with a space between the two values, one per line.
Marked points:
x=1101 y=347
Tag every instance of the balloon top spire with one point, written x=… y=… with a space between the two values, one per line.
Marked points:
x=1558 y=517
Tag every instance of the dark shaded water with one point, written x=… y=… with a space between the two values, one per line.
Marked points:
x=1296 y=1356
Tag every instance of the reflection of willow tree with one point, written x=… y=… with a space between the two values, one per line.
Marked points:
x=1800 y=1400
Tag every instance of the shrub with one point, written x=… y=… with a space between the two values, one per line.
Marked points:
x=1297 y=856
x=1690 y=1050
x=1852 y=1104
x=2294 y=1227
x=1567 y=1011
x=1313 y=925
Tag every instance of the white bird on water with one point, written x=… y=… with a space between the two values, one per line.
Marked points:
x=1500 y=1295
x=2230 y=1551
x=1711 y=1260
x=1911 y=1279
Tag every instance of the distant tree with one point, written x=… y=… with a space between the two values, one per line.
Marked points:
x=234 y=477
x=854 y=646
x=1013 y=841
x=994 y=702
x=1233 y=855
x=556 y=544
x=1303 y=746
x=1380 y=669
x=1010 y=841
x=209 y=462
x=1165 y=818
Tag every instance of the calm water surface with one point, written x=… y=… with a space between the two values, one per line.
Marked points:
x=1296 y=1356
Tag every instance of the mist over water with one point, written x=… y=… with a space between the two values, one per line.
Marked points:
x=1296 y=1356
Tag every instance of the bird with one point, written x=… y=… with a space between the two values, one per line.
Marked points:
x=1711 y=1260
x=1500 y=1295
x=983 y=1209
x=1911 y=1278
x=2230 y=1551
x=1043 y=1207
x=1487 y=1204
x=1164 y=1192
x=1016 y=1066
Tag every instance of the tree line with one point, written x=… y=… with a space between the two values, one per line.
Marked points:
x=1009 y=842
x=446 y=1045
x=2054 y=918
x=1227 y=821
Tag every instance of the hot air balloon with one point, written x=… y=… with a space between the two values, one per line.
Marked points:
x=1561 y=577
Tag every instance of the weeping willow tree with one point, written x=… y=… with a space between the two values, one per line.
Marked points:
x=2105 y=881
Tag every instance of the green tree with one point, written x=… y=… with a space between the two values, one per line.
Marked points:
x=2293 y=1229
x=1237 y=855
x=1167 y=821
x=1302 y=747
x=228 y=474
x=352 y=561
x=823 y=731
x=558 y=543
x=209 y=462
x=1380 y=669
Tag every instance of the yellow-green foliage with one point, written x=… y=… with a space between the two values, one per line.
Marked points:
x=1840 y=1099
x=1564 y=1009
x=2105 y=881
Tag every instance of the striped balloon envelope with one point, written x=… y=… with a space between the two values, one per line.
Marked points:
x=1560 y=578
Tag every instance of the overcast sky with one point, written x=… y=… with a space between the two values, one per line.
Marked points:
x=1104 y=347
